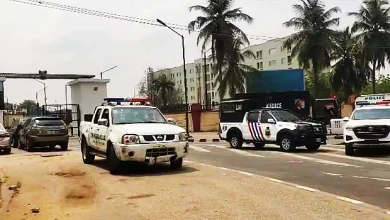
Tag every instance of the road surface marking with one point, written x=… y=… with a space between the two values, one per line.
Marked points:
x=219 y=146
x=387 y=187
x=333 y=174
x=358 y=159
x=275 y=180
x=245 y=153
x=331 y=148
x=199 y=149
x=246 y=173
x=349 y=200
x=380 y=179
x=318 y=160
x=360 y=177
x=307 y=188
x=223 y=168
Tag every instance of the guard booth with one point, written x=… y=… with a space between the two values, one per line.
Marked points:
x=236 y=107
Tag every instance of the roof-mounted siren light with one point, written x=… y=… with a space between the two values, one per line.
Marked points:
x=110 y=101
x=138 y=101
x=362 y=103
x=383 y=102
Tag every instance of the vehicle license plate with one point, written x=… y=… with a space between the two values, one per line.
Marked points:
x=51 y=132
x=318 y=140
x=161 y=160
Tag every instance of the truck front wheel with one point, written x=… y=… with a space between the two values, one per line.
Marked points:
x=176 y=164
x=286 y=143
x=113 y=162
x=235 y=140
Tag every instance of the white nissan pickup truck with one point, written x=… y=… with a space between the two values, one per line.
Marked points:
x=272 y=126
x=124 y=133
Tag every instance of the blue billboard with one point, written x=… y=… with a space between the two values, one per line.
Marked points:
x=276 y=81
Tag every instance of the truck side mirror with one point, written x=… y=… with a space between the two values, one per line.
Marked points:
x=103 y=122
x=271 y=121
x=171 y=121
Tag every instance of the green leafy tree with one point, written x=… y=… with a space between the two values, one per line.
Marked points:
x=29 y=105
x=163 y=86
x=234 y=73
x=217 y=28
x=323 y=85
x=314 y=40
x=373 y=29
x=382 y=86
x=351 y=70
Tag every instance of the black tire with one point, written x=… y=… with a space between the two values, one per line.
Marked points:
x=313 y=147
x=114 y=164
x=29 y=145
x=349 y=150
x=64 y=146
x=88 y=158
x=287 y=144
x=259 y=145
x=235 y=140
x=7 y=151
x=176 y=164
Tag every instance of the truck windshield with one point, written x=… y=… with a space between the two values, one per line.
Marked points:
x=125 y=115
x=371 y=114
x=285 y=116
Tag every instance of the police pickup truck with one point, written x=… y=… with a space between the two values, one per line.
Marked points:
x=272 y=126
x=133 y=132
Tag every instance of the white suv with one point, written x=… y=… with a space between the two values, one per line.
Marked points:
x=368 y=126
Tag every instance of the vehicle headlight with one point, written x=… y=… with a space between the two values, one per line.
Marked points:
x=130 y=139
x=348 y=128
x=183 y=136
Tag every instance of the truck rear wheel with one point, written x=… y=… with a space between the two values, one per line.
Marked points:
x=287 y=144
x=235 y=140
x=88 y=158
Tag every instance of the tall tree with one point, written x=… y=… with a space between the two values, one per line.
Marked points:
x=373 y=27
x=28 y=105
x=314 y=40
x=351 y=70
x=234 y=72
x=217 y=29
x=163 y=86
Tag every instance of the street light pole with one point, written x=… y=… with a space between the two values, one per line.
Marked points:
x=101 y=73
x=44 y=90
x=184 y=71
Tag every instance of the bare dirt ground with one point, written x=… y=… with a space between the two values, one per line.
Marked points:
x=63 y=187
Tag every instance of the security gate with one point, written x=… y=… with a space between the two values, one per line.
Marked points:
x=69 y=113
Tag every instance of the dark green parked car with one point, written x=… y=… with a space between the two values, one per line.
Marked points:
x=44 y=131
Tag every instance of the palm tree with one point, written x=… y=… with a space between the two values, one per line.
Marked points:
x=313 y=42
x=163 y=86
x=234 y=73
x=351 y=70
x=373 y=25
x=217 y=29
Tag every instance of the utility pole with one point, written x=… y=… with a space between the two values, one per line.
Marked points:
x=205 y=80
x=101 y=73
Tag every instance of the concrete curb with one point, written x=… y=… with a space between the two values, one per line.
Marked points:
x=204 y=140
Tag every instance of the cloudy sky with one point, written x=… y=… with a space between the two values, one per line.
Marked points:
x=34 y=38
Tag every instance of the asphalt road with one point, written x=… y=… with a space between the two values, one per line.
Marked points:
x=364 y=178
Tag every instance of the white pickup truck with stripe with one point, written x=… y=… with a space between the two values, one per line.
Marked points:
x=273 y=126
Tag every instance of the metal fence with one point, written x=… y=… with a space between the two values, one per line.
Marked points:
x=69 y=113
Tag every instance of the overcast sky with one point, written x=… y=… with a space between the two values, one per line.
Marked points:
x=34 y=38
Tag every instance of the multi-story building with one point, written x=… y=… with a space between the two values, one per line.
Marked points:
x=269 y=55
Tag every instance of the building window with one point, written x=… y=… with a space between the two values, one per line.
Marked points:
x=272 y=51
x=259 y=54
x=272 y=62
x=260 y=66
x=192 y=97
x=289 y=60
x=190 y=71
x=180 y=82
x=281 y=48
x=283 y=60
x=208 y=86
x=212 y=85
x=192 y=88
x=212 y=95
x=208 y=77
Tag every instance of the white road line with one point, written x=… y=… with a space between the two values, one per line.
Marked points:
x=333 y=174
x=227 y=169
x=349 y=200
x=245 y=153
x=318 y=160
x=387 y=187
x=246 y=173
x=360 y=177
x=219 y=146
x=307 y=188
x=275 y=180
x=358 y=159
x=380 y=179
x=199 y=149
